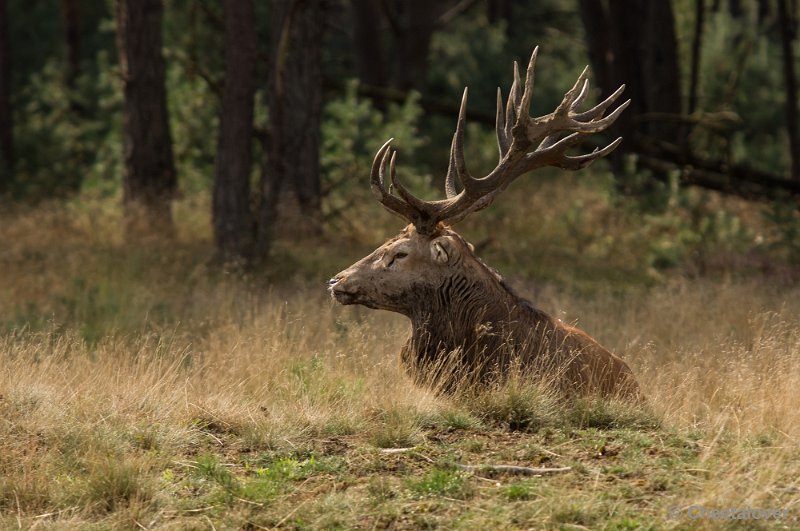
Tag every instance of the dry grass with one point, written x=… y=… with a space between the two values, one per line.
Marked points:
x=140 y=388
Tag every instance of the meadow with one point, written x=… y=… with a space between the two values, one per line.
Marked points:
x=143 y=387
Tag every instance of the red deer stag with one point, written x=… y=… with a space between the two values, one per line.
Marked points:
x=460 y=309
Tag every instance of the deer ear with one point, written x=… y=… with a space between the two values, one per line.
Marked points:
x=442 y=250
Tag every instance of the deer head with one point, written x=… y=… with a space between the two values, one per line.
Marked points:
x=400 y=274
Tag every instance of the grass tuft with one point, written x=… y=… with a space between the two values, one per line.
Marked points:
x=111 y=485
x=517 y=405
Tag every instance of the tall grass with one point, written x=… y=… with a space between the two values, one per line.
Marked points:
x=141 y=386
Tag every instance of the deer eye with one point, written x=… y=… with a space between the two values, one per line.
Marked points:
x=398 y=256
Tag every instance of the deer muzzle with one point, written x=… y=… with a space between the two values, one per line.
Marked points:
x=341 y=292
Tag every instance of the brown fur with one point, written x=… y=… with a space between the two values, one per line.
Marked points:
x=468 y=325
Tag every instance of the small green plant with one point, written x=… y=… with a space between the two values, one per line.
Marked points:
x=447 y=482
x=209 y=468
x=521 y=490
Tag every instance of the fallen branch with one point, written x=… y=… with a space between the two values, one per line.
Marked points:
x=429 y=104
x=733 y=179
x=397 y=450
x=411 y=451
x=488 y=470
x=512 y=469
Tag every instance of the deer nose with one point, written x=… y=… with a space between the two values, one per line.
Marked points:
x=335 y=280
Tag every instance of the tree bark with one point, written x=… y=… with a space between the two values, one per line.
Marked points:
x=764 y=12
x=6 y=123
x=231 y=201
x=595 y=23
x=72 y=37
x=149 y=171
x=415 y=22
x=786 y=21
x=633 y=43
x=497 y=10
x=292 y=163
x=697 y=44
x=367 y=44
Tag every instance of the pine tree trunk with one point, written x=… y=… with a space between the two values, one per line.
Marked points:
x=634 y=43
x=291 y=171
x=697 y=44
x=367 y=44
x=417 y=20
x=787 y=24
x=231 y=204
x=149 y=171
x=6 y=124
x=72 y=37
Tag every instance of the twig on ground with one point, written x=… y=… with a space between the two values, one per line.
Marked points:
x=487 y=469
x=213 y=528
x=291 y=512
x=411 y=450
x=512 y=469
x=396 y=450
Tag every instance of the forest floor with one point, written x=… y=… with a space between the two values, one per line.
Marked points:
x=141 y=387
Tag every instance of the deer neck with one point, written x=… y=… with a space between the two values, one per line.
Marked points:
x=472 y=311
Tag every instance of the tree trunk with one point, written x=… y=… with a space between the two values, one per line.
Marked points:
x=633 y=43
x=764 y=12
x=735 y=8
x=6 y=124
x=367 y=44
x=595 y=23
x=149 y=172
x=231 y=202
x=697 y=44
x=72 y=35
x=79 y=153
x=497 y=10
x=415 y=22
x=787 y=24
x=292 y=148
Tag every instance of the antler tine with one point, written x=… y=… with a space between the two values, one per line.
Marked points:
x=418 y=205
x=511 y=106
x=582 y=96
x=525 y=103
x=458 y=145
x=449 y=181
x=553 y=142
x=378 y=187
x=376 y=175
x=598 y=125
x=581 y=161
x=554 y=154
x=572 y=95
x=503 y=143
x=601 y=107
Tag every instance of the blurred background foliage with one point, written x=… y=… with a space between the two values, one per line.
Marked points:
x=68 y=134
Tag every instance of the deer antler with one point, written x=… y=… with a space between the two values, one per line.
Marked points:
x=517 y=134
